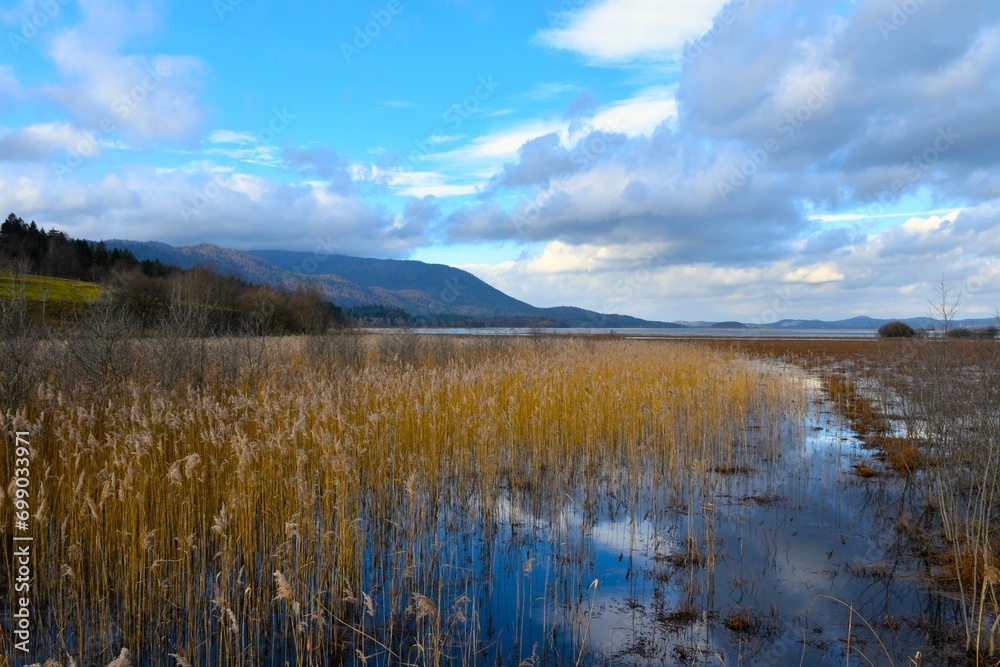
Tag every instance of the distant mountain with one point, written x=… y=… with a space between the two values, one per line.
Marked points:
x=431 y=293
x=414 y=286
x=863 y=322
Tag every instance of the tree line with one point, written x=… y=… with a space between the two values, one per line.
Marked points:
x=900 y=329
x=150 y=293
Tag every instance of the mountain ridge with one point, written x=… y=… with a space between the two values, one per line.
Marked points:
x=431 y=293
x=873 y=323
x=438 y=293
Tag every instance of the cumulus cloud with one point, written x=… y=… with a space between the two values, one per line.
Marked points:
x=779 y=112
x=817 y=93
x=413 y=225
x=323 y=162
x=40 y=141
x=626 y=30
x=142 y=97
x=231 y=209
x=891 y=273
x=538 y=160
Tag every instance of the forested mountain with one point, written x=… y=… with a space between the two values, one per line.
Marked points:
x=430 y=294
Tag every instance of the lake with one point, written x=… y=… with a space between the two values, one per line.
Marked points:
x=671 y=333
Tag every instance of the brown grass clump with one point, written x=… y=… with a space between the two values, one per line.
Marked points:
x=744 y=621
x=872 y=427
x=682 y=616
x=864 y=418
x=861 y=470
x=900 y=453
x=963 y=563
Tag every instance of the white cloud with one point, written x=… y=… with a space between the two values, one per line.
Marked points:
x=612 y=31
x=37 y=142
x=483 y=155
x=855 y=217
x=638 y=115
x=546 y=91
x=560 y=257
x=428 y=183
x=17 y=11
x=140 y=96
x=917 y=225
x=821 y=273
x=189 y=206
x=231 y=137
x=10 y=87
x=882 y=275
x=262 y=155
x=438 y=139
x=497 y=147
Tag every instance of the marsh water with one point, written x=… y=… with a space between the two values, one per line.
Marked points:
x=680 y=332
x=791 y=560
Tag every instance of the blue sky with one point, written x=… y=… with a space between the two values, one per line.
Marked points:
x=752 y=160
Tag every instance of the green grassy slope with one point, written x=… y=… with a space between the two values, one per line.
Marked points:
x=49 y=298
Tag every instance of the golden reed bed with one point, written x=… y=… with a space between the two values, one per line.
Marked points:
x=292 y=507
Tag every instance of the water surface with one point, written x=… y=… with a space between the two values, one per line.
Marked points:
x=694 y=332
x=791 y=560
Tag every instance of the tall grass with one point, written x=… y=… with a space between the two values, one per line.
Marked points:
x=348 y=499
x=946 y=394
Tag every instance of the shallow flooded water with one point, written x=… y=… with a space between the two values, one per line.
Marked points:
x=791 y=560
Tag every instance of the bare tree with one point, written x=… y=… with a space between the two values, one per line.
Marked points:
x=103 y=348
x=20 y=338
x=180 y=345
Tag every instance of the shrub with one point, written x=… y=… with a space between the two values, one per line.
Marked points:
x=896 y=329
x=980 y=332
